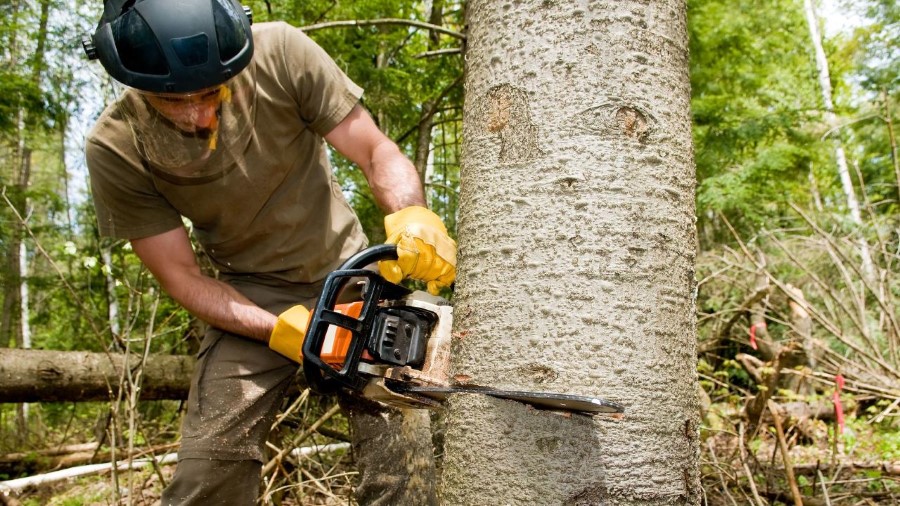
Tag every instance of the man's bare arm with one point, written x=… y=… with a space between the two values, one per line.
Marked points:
x=392 y=177
x=170 y=258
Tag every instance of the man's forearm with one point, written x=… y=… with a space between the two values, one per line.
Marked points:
x=220 y=305
x=170 y=258
x=393 y=179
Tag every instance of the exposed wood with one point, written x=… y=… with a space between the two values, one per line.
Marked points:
x=801 y=332
x=752 y=365
x=801 y=321
x=44 y=375
x=768 y=349
x=789 y=357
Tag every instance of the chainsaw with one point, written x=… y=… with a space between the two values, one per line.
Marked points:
x=393 y=345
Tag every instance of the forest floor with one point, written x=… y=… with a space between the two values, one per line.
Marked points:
x=860 y=468
x=143 y=487
x=820 y=482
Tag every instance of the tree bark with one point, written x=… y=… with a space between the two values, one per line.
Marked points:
x=576 y=260
x=41 y=375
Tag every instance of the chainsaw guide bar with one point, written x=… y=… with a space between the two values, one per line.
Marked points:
x=392 y=345
x=540 y=400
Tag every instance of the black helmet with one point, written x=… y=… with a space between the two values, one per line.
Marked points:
x=172 y=46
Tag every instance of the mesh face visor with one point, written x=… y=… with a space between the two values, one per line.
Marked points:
x=193 y=134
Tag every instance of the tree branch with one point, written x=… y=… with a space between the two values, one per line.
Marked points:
x=382 y=22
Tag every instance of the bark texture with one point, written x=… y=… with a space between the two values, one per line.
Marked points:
x=42 y=375
x=576 y=261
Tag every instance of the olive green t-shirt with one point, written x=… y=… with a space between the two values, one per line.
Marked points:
x=276 y=211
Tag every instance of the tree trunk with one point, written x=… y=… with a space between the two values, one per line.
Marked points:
x=824 y=77
x=41 y=375
x=577 y=248
x=426 y=119
x=112 y=302
x=23 y=160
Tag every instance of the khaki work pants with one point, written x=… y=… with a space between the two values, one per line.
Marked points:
x=235 y=395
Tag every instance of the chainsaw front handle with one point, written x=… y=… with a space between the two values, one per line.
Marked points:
x=320 y=376
x=370 y=256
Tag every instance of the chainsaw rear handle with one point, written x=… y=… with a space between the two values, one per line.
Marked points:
x=320 y=376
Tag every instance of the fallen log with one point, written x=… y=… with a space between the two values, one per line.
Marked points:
x=884 y=467
x=77 y=376
x=51 y=452
x=28 y=463
x=21 y=484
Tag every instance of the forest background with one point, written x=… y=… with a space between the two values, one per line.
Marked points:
x=797 y=208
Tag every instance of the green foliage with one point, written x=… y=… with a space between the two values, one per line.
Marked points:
x=17 y=93
x=399 y=86
x=878 y=57
x=753 y=90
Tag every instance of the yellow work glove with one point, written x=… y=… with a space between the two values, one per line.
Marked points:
x=289 y=332
x=424 y=250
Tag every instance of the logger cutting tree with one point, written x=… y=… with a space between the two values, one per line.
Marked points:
x=572 y=195
x=225 y=124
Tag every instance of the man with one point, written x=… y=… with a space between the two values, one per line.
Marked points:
x=223 y=125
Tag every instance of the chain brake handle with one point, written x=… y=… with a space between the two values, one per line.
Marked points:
x=320 y=376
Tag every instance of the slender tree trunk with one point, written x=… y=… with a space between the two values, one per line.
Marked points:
x=8 y=329
x=112 y=302
x=24 y=160
x=22 y=410
x=426 y=122
x=814 y=191
x=577 y=247
x=840 y=157
x=23 y=297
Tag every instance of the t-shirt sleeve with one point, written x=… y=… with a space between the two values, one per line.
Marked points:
x=127 y=204
x=323 y=92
